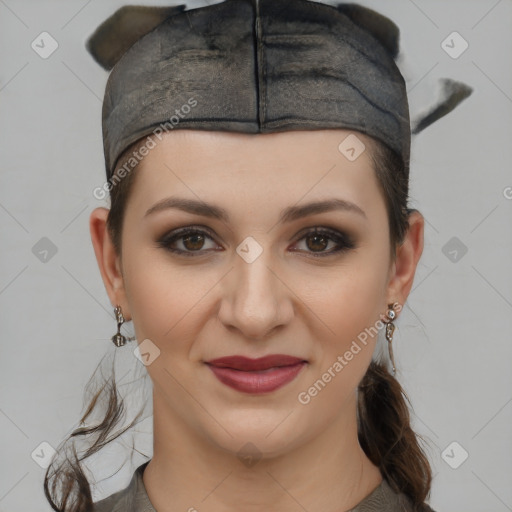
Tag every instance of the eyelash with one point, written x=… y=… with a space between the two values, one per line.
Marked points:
x=343 y=241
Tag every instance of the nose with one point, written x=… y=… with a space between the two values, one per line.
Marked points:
x=256 y=299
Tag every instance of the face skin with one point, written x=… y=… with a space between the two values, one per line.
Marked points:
x=286 y=301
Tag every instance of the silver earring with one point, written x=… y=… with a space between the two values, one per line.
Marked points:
x=118 y=339
x=390 y=327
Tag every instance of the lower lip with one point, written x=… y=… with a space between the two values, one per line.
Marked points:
x=262 y=381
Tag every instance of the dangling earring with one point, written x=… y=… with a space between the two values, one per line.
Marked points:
x=390 y=327
x=118 y=339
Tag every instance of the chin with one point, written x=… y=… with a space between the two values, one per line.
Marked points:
x=255 y=433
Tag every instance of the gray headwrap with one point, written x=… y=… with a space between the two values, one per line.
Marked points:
x=255 y=67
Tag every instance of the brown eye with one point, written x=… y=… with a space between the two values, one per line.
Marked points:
x=318 y=240
x=191 y=241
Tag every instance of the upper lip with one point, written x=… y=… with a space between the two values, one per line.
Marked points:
x=247 y=364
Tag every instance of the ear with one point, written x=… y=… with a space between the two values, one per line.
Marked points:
x=381 y=27
x=407 y=257
x=452 y=94
x=125 y=27
x=109 y=262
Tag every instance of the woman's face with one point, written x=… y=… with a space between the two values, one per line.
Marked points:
x=254 y=280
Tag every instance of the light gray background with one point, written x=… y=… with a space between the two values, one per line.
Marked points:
x=452 y=344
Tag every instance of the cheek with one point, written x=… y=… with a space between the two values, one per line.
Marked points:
x=167 y=302
x=351 y=311
x=151 y=292
x=349 y=307
x=357 y=307
x=350 y=301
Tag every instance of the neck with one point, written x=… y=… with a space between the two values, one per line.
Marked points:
x=327 y=473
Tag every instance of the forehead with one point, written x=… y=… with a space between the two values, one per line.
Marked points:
x=258 y=170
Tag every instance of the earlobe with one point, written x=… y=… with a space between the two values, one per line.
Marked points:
x=407 y=257
x=107 y=258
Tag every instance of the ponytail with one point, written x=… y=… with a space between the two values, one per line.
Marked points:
x=66 y=486
x=386 y=436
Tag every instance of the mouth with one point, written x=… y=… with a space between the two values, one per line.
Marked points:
x=261 y=375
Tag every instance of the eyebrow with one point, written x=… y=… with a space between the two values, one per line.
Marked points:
x=289 y=214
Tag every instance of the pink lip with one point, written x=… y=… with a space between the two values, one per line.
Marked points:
x=256 y=375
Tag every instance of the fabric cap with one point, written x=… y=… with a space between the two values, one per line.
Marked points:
x=260 y=67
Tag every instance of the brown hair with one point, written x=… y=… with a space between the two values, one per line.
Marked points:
x=384 y=428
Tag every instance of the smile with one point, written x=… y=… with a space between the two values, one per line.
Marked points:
x=261 y=375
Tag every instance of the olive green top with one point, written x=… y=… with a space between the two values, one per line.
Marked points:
x=134 y=498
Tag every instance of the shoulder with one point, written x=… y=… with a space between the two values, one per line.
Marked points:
x=117 y=502
x=130 y=499
x=110 y=504
x=426 y=508
x=384 y=499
